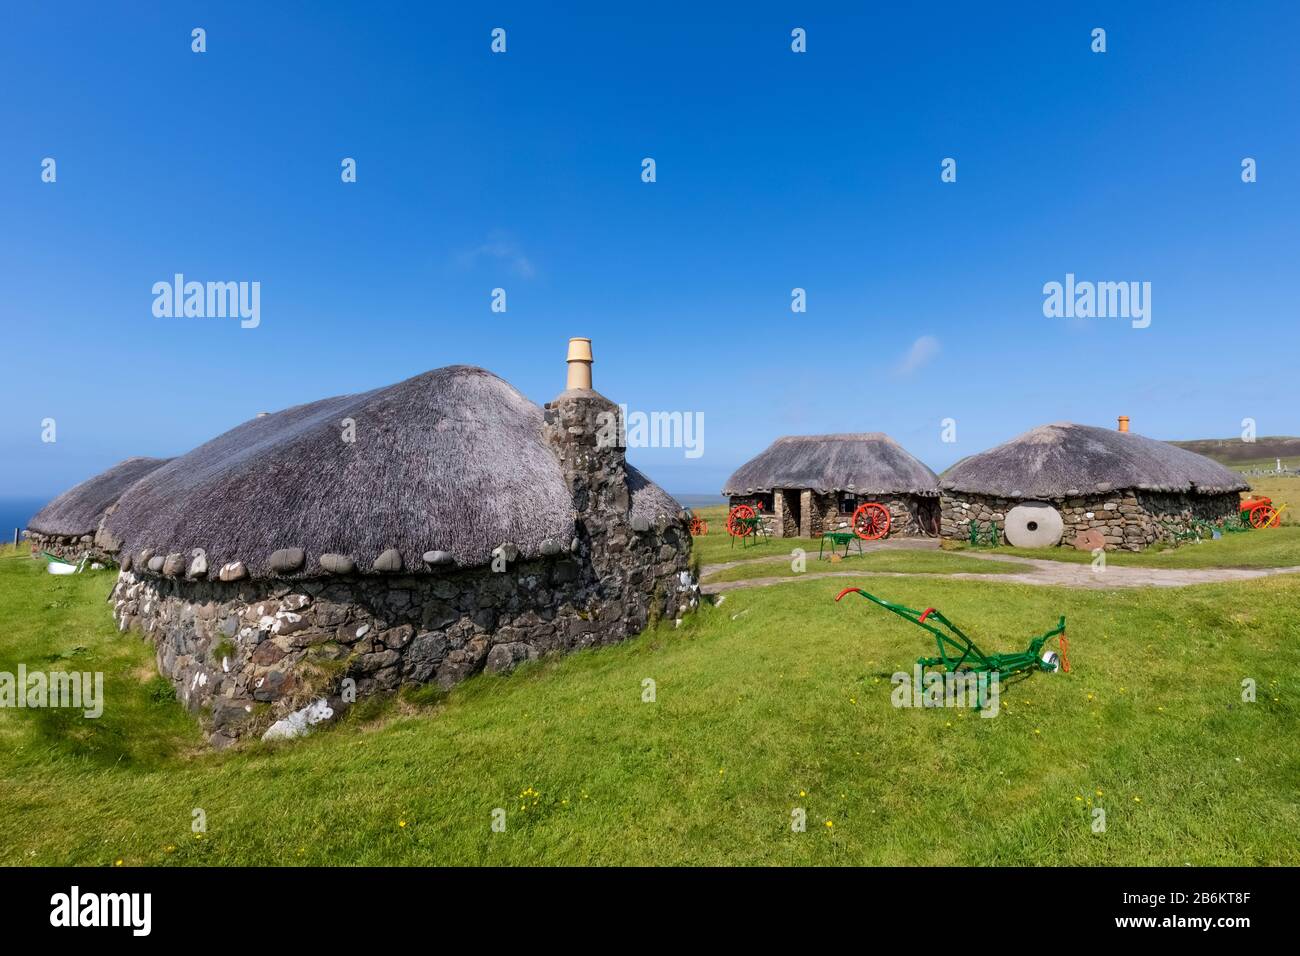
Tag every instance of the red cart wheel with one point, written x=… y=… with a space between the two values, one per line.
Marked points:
x=699 y=526
x=871 y=521
x=1262 y=516
x=740 y=521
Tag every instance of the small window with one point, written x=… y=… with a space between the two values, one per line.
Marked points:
x=848 y=504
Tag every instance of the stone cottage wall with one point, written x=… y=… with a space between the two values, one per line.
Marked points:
x=245 y=654
x=69 y=547
x=1128 y=520
x=776 y=518
x=818 y=513
x=909 y=515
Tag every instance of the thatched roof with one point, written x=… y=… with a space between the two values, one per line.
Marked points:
x=1065 y=460
x=871 y=463
x=79 y=510
x=452 y=460
x=649 y=501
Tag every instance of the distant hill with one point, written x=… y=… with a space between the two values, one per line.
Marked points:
x=1234 y=451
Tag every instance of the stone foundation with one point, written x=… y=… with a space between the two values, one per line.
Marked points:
x=1128 y=520
x=246 y=654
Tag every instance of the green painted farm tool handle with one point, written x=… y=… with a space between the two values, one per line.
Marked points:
x=956 y=650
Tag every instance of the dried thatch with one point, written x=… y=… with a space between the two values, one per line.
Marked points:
x=1065 y=460
x=649 y=501
x=867 y=464
x=79 y=510
x=452 y=460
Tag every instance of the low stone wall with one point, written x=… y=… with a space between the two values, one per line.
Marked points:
x=69 y=547
x=1128 y=520
x=909 y=515
x=776 y=520
x=245 y=654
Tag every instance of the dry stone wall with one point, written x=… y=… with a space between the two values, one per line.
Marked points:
x=69 y=547
x=1128 y=520
x=909 y=515
x=245 y=654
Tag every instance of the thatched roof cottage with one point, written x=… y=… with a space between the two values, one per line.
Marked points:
x=67 y=525
x=422 y=531
x=1065 y=480
x=810 y=484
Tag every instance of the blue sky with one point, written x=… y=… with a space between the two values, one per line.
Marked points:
x=775 y=170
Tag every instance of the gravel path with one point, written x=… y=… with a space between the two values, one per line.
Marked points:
x=1038 y=571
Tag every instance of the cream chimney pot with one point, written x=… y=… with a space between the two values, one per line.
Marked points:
x=579 y=364
x=1123 y=423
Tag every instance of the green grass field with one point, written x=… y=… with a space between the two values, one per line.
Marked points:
x=775 y=700
x=1271 y=548
x=897 y=562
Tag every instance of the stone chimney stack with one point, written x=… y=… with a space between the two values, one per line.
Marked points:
x=620 y=553
x=585 y=431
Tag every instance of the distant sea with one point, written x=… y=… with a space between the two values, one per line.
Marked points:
x=694 y=501
x=15 y=513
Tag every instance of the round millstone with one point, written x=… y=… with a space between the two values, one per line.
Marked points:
x=337 y=563
x=390 y=560
x=1034 y=524
x=287 y=560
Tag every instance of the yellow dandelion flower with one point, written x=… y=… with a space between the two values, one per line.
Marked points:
x=1099 y=793
x=1137 y=799
x=802 y=793
x=117 y=863
x=829 y=824
x=401 y=823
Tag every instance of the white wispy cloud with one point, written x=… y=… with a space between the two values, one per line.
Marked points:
x=922 y=351
x=502 y=249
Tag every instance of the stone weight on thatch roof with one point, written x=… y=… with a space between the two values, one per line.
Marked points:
x=871 y=463
x=1065 y=460
x=79 y=510
x=452 y=461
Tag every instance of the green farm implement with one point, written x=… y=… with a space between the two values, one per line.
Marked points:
x=957 y=652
